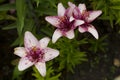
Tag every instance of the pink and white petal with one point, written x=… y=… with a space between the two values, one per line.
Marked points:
x=71 y=19
x=24 y=63
x=93 y=15
x=20 y=51
x=50 y=53
x=70 y=34
x=44 y=42
x=71 y=4
x=82 y=7
x=41 y=66
x=76 y=13
x=61 y=10
x=93 y=31
x=82 y=29
x=78 y=22
x=56 y=35
x=54 y=20
x=30 y=40
x=69 y=11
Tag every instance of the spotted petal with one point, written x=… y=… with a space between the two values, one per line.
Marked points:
x=61 y=10
x=20 y=51
x=82 y=7
x=41 y=68
x=24 y=63
x=44 y=42
x=54 y=20
x=56 y=35
x=50 y=53
x=93 y=31
x=70 y=34
x=30 y=40
x=93 y=15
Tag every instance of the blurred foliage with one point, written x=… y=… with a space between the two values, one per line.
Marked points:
x=110 y=8
x=98 y=45
x=17 y=75
x=70 y=54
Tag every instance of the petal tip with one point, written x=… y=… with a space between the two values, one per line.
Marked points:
x=20 y=68
x=41 y=67
x=61 y=9
x=54 y=40
x=43 y=74
x=20 y=51
x=27 y=32
x=99 y=12
x=96 y=36
x=60 y=4
x=70 y=34
x=47 y=18
x=44 y=42
x=46 y=38
x=93 y=31
x=56 y=35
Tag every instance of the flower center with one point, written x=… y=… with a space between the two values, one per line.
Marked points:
x=85 y=15
x=65 y=24
x=35 y=55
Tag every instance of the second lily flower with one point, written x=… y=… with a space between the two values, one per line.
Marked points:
x=68 y=20
x=65 y=26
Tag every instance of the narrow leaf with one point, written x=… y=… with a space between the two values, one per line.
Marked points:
x=115 y=7
x=11 y=26
x=20 y=7
x=6 y=7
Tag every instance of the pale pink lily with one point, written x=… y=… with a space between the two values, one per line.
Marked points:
x=81 y=13
x=35 y=53
x=63 y=22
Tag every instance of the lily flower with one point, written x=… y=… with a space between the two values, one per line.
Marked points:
x=65 y=26
x=35 y=53
x=81 y=13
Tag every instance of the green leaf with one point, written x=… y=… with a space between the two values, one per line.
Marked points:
x=98 y=45
x=52 y=3
x=18 y=41
x=10 y=26
x=49 y=74
x=115 y=1
x=118 y=21
x=29 y=24
x=20 y=7
x=70 y=54
x=5 y=16
x=16 y=74
x=55 y=77
x=115 y=7
x=37 y=2
x=6 y=7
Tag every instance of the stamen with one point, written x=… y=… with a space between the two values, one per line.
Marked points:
x=35 y=55
x=65 y=24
